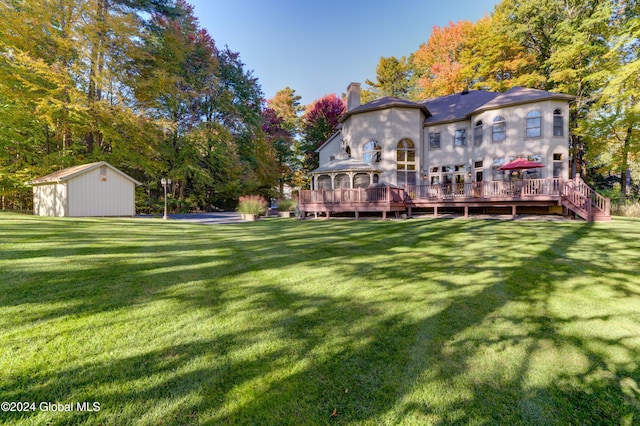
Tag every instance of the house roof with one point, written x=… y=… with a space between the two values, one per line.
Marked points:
x=458 y=106
x=384 y=103
x=344 y=163
x=71 y=172
x=519 y=95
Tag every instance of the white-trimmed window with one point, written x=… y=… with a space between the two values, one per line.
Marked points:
x=361 y=180
x=324 y=182
x=460 y=137
x=558 y=165
x=533 y=173
x=342 y=181
x=533 y=124
x=499 y=129
x=372 y=152
x=434 y=140
x=478 y=168
x=497 y=163
x=558 y=123
x=406 y=163
x=477 y=133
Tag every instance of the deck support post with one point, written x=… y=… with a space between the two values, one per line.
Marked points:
x=384 y=215
x=513 y=210
x=316 y=214
x=409 y=208
x=435 y=211
x=466 y=211
x=357 y=215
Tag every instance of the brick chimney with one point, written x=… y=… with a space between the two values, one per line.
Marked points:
x=353 y=96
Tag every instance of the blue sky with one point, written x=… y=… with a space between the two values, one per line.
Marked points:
x=318 y=47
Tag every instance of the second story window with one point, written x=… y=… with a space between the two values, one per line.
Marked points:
x=406 y=163
x=460 y=137
x=372 y=152
x=499 y=133
x=534 y=124
x=558 y=123
x=477 y=134
x=434 y=140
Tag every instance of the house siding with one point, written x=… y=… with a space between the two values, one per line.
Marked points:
x=94 y=189
x=387 y=123
x=89 y=195
x=515 y=144
x=387 y=127
x=331 y=149
x=50 y=200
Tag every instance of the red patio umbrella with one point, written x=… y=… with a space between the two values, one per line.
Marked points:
x=521 y=164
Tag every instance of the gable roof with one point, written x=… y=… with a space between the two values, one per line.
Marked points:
x=71 y=172
x=344 y=163
x=384 y=103
x=520 y=95
x=458 y=106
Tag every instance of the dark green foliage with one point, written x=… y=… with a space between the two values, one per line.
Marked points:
x=134 y=82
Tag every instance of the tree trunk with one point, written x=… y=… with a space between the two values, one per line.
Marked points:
x=94 y=92
x=626 y=146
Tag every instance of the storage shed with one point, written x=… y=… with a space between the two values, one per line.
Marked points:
x=95 y=189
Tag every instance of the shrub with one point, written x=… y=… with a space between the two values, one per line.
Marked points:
x=252 y=204
x=287 y=205
x=628 y=209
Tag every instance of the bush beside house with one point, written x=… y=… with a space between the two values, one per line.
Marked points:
x=251 y=207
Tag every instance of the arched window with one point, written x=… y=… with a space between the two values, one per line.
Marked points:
x=558 y=123
x=342 y=181
x=406 y=163
x=372 y=152
x=324 y=182
x=361 y=180
x=477 y=133
x=534 y=124
x=499 y=133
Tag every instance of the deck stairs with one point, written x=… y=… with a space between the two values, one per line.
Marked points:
x=583 y=201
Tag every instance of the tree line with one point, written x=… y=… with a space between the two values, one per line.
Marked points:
x=136 y=83
x=140 y=84
x=587 y=48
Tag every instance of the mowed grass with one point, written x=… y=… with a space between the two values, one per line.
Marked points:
x=281 y=322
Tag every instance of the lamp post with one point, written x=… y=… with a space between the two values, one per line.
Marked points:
x=165 y=183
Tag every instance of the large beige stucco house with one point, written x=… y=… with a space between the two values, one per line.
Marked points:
x=458 y=138
x=447 y=152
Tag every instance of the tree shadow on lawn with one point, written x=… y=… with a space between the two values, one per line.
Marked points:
x=491 y=350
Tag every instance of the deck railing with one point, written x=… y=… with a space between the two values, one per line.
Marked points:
x=490 y=189
x=378 y=194
x=597 y=201
x=575 y=195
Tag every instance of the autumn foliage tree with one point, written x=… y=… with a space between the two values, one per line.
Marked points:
x=286 y=105
x=320 y=121
x=437 y=62
x=137 y=83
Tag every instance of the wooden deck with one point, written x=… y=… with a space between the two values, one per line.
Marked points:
x=573 y=196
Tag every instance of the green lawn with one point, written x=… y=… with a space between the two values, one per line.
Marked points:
x=282 y=321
